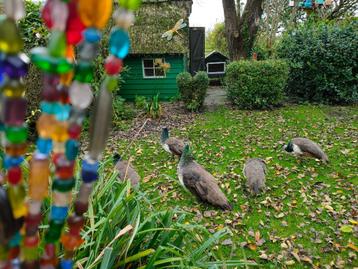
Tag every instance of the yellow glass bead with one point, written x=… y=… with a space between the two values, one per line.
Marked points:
x=95 y=13
x=46 y=125
x=13 y=89
x=17 y=196
x=39 y=178
x=10 y=39
x=66 y=79
x=60 y=133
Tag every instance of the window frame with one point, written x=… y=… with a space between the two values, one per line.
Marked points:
x=215 y=73
x=152 y=77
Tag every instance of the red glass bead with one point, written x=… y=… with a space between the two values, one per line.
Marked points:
x=50 y=250
x=71 y=242
x=80 y=208
x=13 y=253
x=46 y=14
x=33 y=219
x=75 y=224
x=64 y=168
x=14 y=175
x=50 y=92
x=14 y=110
x=113 y=65
x=75 y=26
x=63 y=91
x=74 y=131
x=31 y=241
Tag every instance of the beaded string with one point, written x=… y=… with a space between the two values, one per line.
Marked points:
x=66 y=94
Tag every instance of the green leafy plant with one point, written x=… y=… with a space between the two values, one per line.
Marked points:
x=140 y=102
x=122 y=110
x=256 y=84
x=193 y=89
x=154 y=108
x=323 y=60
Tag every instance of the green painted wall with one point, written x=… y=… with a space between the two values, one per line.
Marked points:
x=135 y=84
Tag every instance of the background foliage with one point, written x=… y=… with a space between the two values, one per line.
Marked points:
x=256 y=84
x=323 y=60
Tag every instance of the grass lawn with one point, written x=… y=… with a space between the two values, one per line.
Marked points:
x=309 y=212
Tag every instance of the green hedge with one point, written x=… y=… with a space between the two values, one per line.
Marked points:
x=323 y=60
x=193 y=89
x=256 y=84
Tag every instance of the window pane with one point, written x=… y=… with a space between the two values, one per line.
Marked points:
x=148 y=63
x=159 y=72
x=216 y=67
x=149 y=72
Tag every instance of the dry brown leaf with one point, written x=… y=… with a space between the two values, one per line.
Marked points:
x=252 y=247
x=352 y=246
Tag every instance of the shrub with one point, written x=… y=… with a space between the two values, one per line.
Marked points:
x=153 y=107
x=140 y=102
x=121 y=110
x=323 y=62
x=193 y=89
x=256 y=84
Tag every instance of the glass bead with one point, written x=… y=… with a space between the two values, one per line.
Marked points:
x=50 y=93
x=64 y=168
x=58 y=147
x=63 y=185
x=67 y=264
x=14 y=110
x=17 y=196
x=84 y=72
x=130 y=4
x=46 y=13
x=72 y=147
x=66 y=79
x=39 y=177
x=30 y=253
x=9 y=161
x=10 y=39
x=100 y=123
x=89 y=171
x=45 y=125
x=113 y=65
x=88 y=11
x=54 y=231
x=16 y=134
x=15 y=240
x=119 y=42
x=14 y=175
x=75 y=224
x=59 y=14
x=75 y=26
x=48 y=107
x=33 y=220
x=31 y=241
x=31 y=264
x=57 y=44
x=110 y=83
x=44 y=145
x=88 y=51
x=34 y=207
x=60 y=131
x=15 y=150
x=14 y=9
x=81 y=207
x=13 y=253
x=74 y=130
x=70 y=243
x=47 y=63
x=15 y=66
x=84 y=192
x=58 y=213
x=123 y=18
x=62 y=112
x=61 y=199
x=92 y=35
x=77 y=115
x=80 y=95
x=13 y=88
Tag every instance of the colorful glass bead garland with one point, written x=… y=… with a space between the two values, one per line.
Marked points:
x=66 y=94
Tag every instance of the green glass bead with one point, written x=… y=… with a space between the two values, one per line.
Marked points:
x=84 y=72
x=49 y=64
x=16 y=134
x=63 y=185
x=130 y=4
x=57 y=44
x=110 y=82
x=54 y=232
x=30 y=254
x=10 y=38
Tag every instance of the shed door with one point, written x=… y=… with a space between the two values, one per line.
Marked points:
x=197 y=49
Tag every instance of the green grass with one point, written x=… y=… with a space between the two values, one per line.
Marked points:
x=300 y=215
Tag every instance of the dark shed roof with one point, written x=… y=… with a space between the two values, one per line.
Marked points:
x=216 y=56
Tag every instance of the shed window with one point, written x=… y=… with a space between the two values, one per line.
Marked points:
x=152 y=68
x=216 y=68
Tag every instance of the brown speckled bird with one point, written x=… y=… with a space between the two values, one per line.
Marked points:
x=171 y=144
x=304 y=147
x=126 y=171
x=255 y=173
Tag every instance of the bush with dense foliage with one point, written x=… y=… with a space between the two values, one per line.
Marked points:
x=256 y=84
x=193 y=89
x=323 y=60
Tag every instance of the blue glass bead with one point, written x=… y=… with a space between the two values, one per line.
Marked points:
x=44 y=146
x=62 y=111
x=58 y=213
x=15 y=66
x=15 y=240
x=71 y=149
x=92 y=35
x=9 y=162
x=89 y=171
x=66 y=264
x=2 y=126
x=119 y=43
x=48 y=107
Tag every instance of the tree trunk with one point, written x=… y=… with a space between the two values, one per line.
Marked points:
x=241 y=34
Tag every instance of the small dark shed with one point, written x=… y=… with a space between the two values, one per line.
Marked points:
x=215 y=64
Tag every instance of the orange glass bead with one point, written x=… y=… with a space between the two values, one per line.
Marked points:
x=95 y=13
x=71 y=242
x=16 y=149
x=39 y=178
x=46 y=125
x=60 y=133
x=66 y=79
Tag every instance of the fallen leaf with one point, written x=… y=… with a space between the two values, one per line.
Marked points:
x=346 y=229
x=290 y=262
x=279 y=216
x=352 y=246
x=226 y=242
x=252 y=247
x=295 y=255
x=353 y=222
x=257 y=236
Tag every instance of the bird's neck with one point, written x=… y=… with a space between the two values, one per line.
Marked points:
x=164 y=136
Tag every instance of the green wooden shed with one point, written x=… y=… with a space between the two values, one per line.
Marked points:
x=147 y=71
